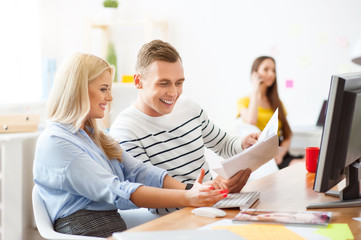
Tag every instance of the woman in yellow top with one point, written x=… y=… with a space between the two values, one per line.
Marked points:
x=258 y=108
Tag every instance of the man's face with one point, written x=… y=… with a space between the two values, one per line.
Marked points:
x=160 y=88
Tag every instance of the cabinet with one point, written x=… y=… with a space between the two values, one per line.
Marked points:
x=16 y=182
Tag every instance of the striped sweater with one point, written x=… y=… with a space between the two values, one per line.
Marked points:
x=174 y=142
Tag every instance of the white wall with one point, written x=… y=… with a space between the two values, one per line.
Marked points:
x=20 y=51
x=218 y=40
x=310 y=41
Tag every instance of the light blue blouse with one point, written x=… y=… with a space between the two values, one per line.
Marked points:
x=72 y=173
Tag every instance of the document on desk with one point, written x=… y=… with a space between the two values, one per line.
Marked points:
x=266 y=148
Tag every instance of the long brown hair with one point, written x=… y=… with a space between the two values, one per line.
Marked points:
x=273 y=98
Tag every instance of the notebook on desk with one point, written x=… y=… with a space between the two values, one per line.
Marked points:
x=178 y=235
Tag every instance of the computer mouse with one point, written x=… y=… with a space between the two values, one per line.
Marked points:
x=209 y=212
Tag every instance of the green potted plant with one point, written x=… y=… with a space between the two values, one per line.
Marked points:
x=110 y=8
x=110 y=3
x=112 y=58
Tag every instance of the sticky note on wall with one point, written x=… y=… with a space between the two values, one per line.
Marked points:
x=127 y=79
x=295 y=30
x=289 y=83
x=323 y=38
x=343 y=68
x=274 y=50
x=304 y=61
x=342 y=42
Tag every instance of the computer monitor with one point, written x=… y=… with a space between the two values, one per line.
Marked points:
x=322 y=116
x=340 y=150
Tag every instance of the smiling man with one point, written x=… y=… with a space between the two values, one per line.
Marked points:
x=161 y=87
x=169 y=131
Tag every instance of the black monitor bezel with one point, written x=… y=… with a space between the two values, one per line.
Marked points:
x=328 y=176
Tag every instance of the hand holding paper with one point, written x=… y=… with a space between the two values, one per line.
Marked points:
x=266 y=148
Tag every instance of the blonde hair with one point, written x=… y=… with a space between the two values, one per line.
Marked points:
x=69 y=98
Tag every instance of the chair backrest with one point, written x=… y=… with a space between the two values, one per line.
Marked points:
x=43 y=221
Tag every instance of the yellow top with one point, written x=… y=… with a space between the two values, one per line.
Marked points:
x=264 y=114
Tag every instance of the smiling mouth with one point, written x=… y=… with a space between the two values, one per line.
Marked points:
x=102 y=106
x=167 y=101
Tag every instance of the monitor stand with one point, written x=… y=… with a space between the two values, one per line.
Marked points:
x=336 y=204
x=350 y=195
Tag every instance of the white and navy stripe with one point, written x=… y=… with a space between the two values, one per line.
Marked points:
x=175 y=142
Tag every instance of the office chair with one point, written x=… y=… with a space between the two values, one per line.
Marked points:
x=44 y=224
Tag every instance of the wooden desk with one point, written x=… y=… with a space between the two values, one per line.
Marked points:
x=288 y=189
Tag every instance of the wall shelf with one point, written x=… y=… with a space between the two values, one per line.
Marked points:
x=127 y=36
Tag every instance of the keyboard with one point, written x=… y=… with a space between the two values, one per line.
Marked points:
x=241 y=200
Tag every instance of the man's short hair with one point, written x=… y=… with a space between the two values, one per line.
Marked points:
x=156 y=50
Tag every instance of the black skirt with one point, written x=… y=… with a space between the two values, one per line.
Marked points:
x=287 y=160
x=91 y=223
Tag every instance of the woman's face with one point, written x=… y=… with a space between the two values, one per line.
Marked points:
x=267 y=72
x=99 y=95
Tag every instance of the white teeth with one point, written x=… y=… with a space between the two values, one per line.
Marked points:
x=167 y=101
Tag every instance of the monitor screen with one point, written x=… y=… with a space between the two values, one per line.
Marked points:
x=340 y=150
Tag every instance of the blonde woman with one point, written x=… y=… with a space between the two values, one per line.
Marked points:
x=82 y=174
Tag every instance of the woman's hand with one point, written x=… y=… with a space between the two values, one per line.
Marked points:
x=256 y=82
x=204 y=194
x=250 y=139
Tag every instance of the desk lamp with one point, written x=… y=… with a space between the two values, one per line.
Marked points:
x=356 y=52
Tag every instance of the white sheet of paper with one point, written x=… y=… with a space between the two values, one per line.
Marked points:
x=266 y=148
x=271 y=127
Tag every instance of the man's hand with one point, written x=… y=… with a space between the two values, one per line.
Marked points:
x=235 y=183
x=250 y=139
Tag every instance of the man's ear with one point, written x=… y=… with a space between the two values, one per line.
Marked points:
x=137 y=81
